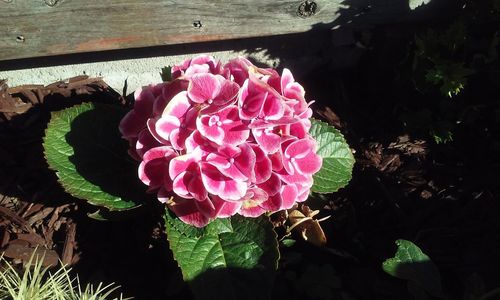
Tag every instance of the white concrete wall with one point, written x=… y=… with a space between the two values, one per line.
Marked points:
x=137 y=72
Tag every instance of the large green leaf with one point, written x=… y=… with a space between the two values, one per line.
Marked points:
x=228 y=259
x=83 y=145
x=337 y=157
x=412 y=264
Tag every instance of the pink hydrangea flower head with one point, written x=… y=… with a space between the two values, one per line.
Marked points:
x=220 y=140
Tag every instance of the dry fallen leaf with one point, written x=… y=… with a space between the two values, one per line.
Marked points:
x=301 y=220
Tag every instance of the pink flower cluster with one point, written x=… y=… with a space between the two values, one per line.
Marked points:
x=218 y=140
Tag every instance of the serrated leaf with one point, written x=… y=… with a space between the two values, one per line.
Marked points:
x=83 y=145
x=338 y=160
x=413 y=4
x=412 y=264
x=219 y=260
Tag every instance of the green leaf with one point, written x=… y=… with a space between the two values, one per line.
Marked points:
x=166 y=74
x=288 y=242
x=338 y=160
x=412 y=264
x=83 y=145
x=221 y=259
x=413 y=4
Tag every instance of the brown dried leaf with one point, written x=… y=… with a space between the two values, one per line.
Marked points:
x=17 y=100
x=32 y=238
x=18 y=251
x=279 y=218
x=309 y=228
x=408 y=147
x=12 y=105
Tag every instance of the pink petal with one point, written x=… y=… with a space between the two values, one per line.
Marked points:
x=239 y=69
x=261 y=123
x=235 y=133
x=229 y=151
x=203 y=87
x=300 y=129
x=178 y=106
x=202 y=59
x=276 y=161
x=206 y=208
x=185 y=162
x=294 y=91
x=145 y=141
x=197 y=189
x=178 y=138
x=213 y=133
x=297 y=178
x=180 y=184
x=268 y=140
x=309 y=164
x=144 y=100
x=196 y=69
x=289 y=196
x=165 y=125
x=218 y=161
x=154 y=166
x=273 y=108
x=273 y=203
x=225 y=209
x=251 y=209
x=131 y=124
x=263 y=166
x=220 y=185
x=228 y=92
x=213 y=180
x=196 y=140
x=169 y=91
x=233 y=162
x=233 y=190
x=245 y=160
x=187 y=210
x=163 y=195
x=286 y=79
x=250 y=100
x=303 y=194
x=151 y=124
x=300 y=148
x=272 y=186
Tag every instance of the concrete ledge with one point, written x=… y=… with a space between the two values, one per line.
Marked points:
x=137 y=72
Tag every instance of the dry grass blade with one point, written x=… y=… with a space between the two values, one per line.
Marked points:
x=37 y=283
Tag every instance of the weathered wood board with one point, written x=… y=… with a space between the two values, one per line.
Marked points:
x=34 y=28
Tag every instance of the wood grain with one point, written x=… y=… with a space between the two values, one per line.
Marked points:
x=33 y=28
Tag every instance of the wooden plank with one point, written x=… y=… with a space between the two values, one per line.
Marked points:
x=33 y=28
